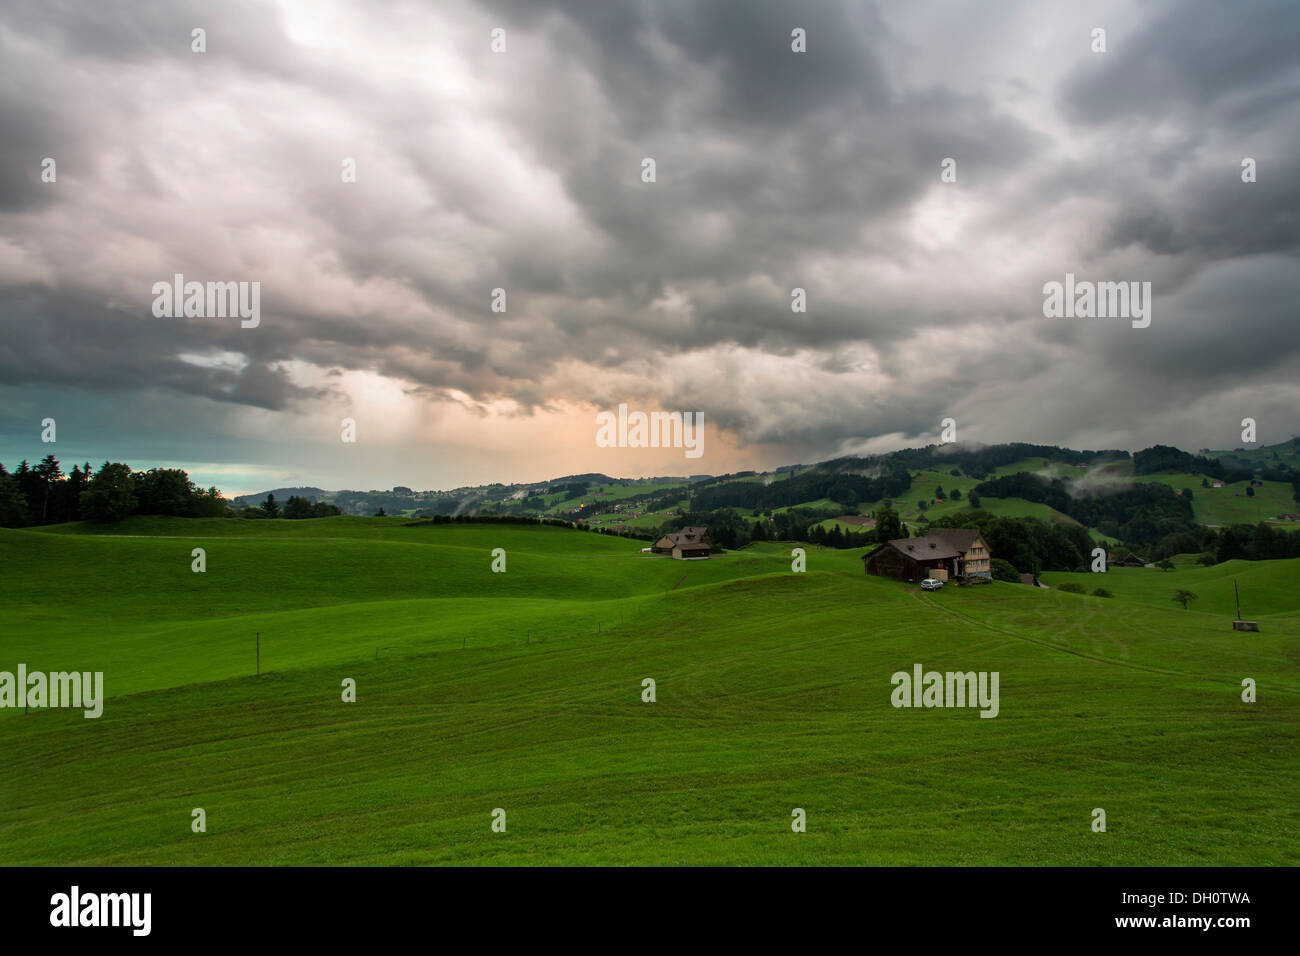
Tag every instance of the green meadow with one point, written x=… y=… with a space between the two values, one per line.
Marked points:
x=1231 y=504
x=523 y=691
x=1264 y=587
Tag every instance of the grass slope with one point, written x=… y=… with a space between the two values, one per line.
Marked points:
x=1267 y=587
x=156 y=623
x=1230 y=504
x=773 y=693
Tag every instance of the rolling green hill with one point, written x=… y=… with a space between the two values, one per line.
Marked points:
x=1267 y=587
x=1231 y=504
x=773 y=692
x=1283 y=453
x=927 y=483
x=318 y=590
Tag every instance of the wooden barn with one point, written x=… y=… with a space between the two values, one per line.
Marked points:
x=693 y=542
x=945 y=553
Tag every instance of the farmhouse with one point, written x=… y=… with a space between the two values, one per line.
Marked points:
x=693 y=542
x=944 y=553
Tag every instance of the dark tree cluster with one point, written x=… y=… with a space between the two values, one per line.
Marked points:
x=845 y=487
x=730 y=529
x=978 y=461
x=45 y=495
x=837 y=537
x=295 y=507
x=1259 y=542
x=1139 y=514
x=1167 y=458
x=1027 y=544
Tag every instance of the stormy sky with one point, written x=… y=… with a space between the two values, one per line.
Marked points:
x=521 y=169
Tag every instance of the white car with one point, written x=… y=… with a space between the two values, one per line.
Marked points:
x=931 y=584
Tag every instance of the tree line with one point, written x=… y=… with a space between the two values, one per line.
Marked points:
x=1259 y=542
x=526 y=520
x=295 y=507
x=1167 y=458
x=731 y=530
x=978 y=461
x=844 y=487
x=44 y=494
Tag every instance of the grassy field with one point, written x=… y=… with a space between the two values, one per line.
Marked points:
x=319 y=590
x=773 y=692
x=1230 y=504
x=1266 y=587
x=926 y=485
x=1283 y=453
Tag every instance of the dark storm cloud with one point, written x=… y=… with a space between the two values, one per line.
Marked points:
x=1223 y=83
x=1213 y=216
x=819 y=146
x=1234 y=63
x=73 y=340
x=28 y=134
x=775 y=170
x=1234 y=323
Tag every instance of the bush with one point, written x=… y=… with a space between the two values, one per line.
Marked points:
x=1071 y=588
x=1102 y=592
x=1005 y=571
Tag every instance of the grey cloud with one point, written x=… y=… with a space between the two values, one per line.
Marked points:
x=775 y=170
x=1197 y=58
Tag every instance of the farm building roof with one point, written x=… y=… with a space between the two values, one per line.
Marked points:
x=939 y=543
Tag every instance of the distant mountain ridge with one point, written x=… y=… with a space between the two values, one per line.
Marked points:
x=840 y=479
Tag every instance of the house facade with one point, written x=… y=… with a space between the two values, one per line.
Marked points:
x=945 y=553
